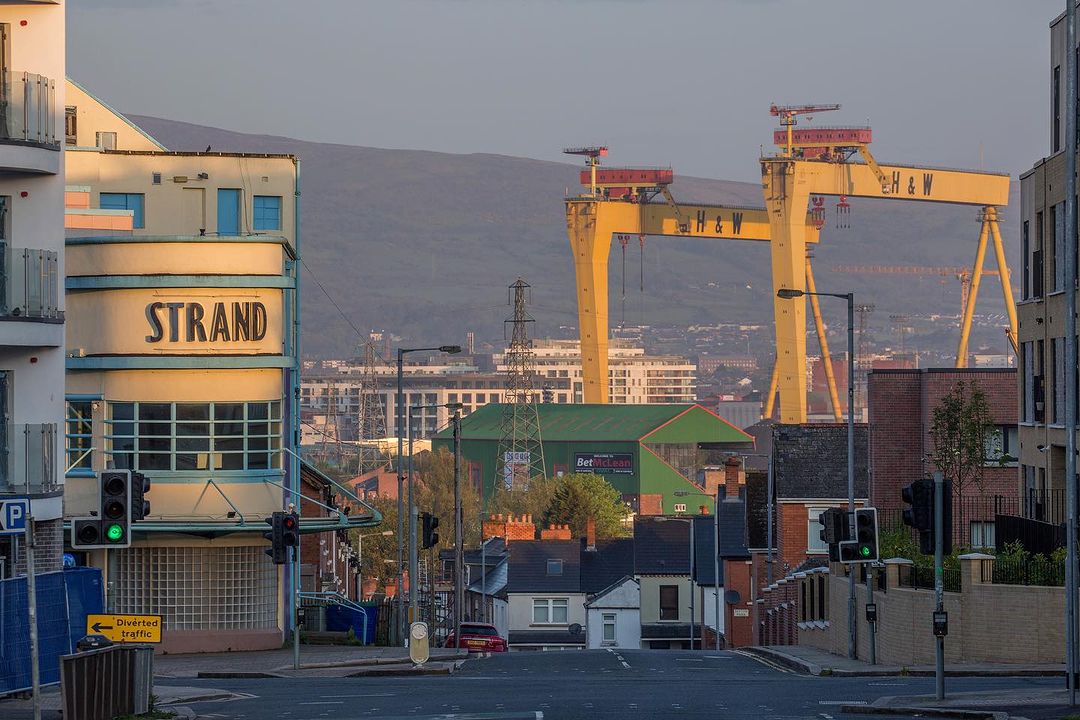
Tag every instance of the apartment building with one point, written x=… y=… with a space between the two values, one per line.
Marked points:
x=31 y=267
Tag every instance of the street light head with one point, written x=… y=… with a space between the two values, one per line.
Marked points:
x=789 y=293
x=450 y=349
x=454 y=406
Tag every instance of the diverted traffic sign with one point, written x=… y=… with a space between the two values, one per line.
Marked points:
x=126 y=628
x=13 y=514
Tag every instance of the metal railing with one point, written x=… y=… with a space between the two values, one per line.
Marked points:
x=1032 y=571
x=29 y=283
x=108 y=682
x=922 y=578
x=28 y=458
x=28 y=108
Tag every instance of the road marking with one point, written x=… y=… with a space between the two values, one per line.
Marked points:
x=887 y=684
x=717 y=657
x=364 y=695
x=323 y=702
x=766 y=663
x=689 y=660
x=841 y=702
x=626 y=665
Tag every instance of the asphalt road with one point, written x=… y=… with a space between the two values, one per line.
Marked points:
x=593 y=684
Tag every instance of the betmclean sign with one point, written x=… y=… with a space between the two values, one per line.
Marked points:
x=218 y=322
x=604 y=463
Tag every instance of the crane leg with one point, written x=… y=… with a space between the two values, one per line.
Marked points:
x=786 y=201
x=1003 y=273
x=774 y=379
x=826 y=358
x=591 y=244
x=973 y=294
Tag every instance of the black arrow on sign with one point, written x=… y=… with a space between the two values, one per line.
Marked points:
x=98 y=627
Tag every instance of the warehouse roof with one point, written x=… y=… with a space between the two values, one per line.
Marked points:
x=580 y=422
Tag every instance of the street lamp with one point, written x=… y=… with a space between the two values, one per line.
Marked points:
x=716 y=557
x=790 y=293
x=360 y=561
x=414 y=550
x=399 y=417
x=690 y=520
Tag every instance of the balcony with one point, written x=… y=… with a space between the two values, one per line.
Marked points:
x=28 y=459
x=28 y=118
x=29 y=284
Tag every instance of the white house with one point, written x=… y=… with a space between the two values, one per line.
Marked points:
x=614 y=616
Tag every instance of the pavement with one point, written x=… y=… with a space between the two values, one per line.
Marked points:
x=813 y=661
x=315 y=661
x=175 y=698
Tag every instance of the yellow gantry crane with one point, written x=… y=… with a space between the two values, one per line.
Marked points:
x=811 y=162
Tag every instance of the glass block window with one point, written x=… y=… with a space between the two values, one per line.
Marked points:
x=79 y=435
x=150 y=436
x=267 y=212
x=199 y=588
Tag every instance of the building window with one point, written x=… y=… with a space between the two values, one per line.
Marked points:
x=680 y=507
x=1027 y=399
x=105 y=140
x=1025 y=254
x=669 y=602
x=267 y=212
x=550 y=611
x=80 y=436
x=814 y=543
x=1037 y=256
x=982 y=533
x=194 y=436
x=1057 y=369
x=609 y=628
x=125 y=201
x=71 y=135
x=554 y=567
x=1055 y=109
x=1057 y=220
x=155 y=178
x=1003 y=446
x=228 y=211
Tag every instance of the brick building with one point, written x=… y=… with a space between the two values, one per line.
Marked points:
x=901 y=410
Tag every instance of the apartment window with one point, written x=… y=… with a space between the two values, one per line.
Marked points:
x=1057 y=220
x=1025 y=253
x=1057 y=368
x=609 y=628
x=1003 y=446
x=481 y=398
x=228 y=211
x=669 y=602
x=554 y=567
x=1039 y=381
x=452 y=397
x=814 y=543
x=125 y=201
x=266 y=213
x=194 y=436
x=105 y=140
x=1055 y=109
x=71 y=135
x=550 y=611
x=80 y=436
x=1037 y=256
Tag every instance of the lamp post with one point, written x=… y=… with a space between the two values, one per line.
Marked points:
x=789 y=293
x=414 y=546
x=399 y=417
x=716 y=557
x=690 y=521
x=360 y=560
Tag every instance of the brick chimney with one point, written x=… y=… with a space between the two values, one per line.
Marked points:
x=556 y=532
x=703 y=509
x=714 y=476
x=732 y=476
x=509 y=528
x=590 y=533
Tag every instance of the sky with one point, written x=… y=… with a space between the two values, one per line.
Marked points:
x=680 y=83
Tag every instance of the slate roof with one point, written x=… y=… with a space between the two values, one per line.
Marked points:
x=810 y=461
x=610 y=562
x=527 y=567
x=661 y=547
x=757 y=511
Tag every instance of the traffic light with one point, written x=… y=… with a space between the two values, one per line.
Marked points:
x=866 y=534
x=431 y=538
x=834 y=528
x=920 y=496
x=140 y=506
x=276 y=536
x=110 y=528
x=290 y=529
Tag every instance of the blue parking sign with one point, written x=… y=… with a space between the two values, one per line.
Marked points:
x=13 y=516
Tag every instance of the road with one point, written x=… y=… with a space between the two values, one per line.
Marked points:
x=593 y=684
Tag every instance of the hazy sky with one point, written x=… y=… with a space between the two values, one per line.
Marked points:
x=958 y=83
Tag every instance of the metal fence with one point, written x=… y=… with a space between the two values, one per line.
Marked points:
x=1032 y=571
x=922 y=577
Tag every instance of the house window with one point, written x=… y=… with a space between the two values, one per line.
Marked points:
x=155 y=178
x=982 y=534
x=669 y=602
x=554 y=567
x=609 y=628
x=105 y=140
x=228 y=211
x=125 y=201
x=267 y=212
x=1003 y=446
x=814 y=543
x=680 y=507
x=550 y=611
x=79 y=433
x=194 y=436
x=71 y=135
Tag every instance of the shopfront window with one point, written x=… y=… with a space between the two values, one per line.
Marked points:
x=194 y=436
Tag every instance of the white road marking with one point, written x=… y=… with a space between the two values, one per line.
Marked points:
x=689 y=660
x=841 y=702
x=717 y=657
x=363 y=695
x=626 y=665
x=323 y=702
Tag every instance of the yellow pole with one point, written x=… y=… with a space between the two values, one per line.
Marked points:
x=591 y=247
x=774 y=380
x=1003 y=272
x=973 y=294
x=593 y=162
x=826 y=358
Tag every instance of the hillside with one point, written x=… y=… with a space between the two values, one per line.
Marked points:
x=423 y=244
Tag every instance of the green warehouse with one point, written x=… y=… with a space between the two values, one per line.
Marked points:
x=647 y=452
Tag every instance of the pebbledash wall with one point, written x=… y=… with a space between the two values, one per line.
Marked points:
x=181 y=351
x=977 y=614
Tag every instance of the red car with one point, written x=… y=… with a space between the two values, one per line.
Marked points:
x=478 y=637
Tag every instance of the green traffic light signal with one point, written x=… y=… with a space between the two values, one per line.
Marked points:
x=864 y=551
x=115 y=532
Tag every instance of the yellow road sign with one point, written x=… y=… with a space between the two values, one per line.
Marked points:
x=126 y=628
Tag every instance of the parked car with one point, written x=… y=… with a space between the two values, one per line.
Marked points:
x=478 y=637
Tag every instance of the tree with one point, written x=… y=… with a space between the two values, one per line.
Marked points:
x=534 y=500
x=435 y=494
x=960 y=428
x=578 y=497
x=378 y=557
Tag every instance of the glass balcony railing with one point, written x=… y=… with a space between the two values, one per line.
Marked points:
x=27 y=458
x=29 y=283
x=28 y=108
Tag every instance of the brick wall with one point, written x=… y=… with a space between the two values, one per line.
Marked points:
x=901 y=408
x=738 y=631
x=48 y=550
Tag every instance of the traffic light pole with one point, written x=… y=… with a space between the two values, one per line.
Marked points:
x=414 y=559
x=852 y=653
x=871 y=625
x=939 y=582
x=459 y=545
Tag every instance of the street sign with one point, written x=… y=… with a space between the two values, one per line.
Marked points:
x=419 y=650
x=13 y=514
x=126 y=628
